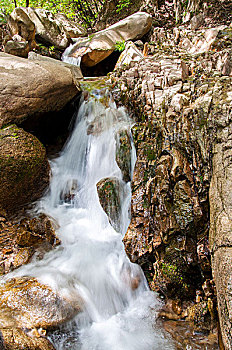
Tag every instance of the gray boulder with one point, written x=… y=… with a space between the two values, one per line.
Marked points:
x=28 y=88
x=96 y=48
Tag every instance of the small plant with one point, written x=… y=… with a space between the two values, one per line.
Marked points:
x=123 y=5
x=51 y=49
x=120 y=46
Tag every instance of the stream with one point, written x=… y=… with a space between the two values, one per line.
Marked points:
x=118 y=310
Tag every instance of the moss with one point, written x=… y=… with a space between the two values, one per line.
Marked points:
x=173 y=274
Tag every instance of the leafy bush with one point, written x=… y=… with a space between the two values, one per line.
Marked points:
x=78 y=10
x=123 y=5
x=120 y=46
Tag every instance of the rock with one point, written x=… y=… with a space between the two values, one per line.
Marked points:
x=220 y=209
x=17 y=48
x=168 y=231
x=178 y=101
x=100 y=45
x=20 y=23
x=130 y=54
x=20 y=241
x=52 y=29
x=38 y=86
x=13 y=338
x=35 y=305
x=23 y=166
x=109 y=197
x=196 y=21
x=72 y=29
x=76 y=72
x=182 y=148
x=202 y=315
x=222 y=262
x=123 y=153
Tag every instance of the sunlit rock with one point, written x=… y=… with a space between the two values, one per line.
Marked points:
x=29 y=89
x=35 y=305
x=100 y=45
x=52 y=29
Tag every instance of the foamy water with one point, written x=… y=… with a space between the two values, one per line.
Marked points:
x=119 y=311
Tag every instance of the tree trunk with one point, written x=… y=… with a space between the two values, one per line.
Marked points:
x=15 y=3
x=27 y=3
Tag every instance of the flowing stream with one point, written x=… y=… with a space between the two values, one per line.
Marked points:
x=119 y=310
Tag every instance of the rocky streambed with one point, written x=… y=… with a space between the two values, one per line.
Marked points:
x=178 y=92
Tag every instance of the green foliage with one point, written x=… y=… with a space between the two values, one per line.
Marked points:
x=78 y=10
x=123 y=5
x=120 y=46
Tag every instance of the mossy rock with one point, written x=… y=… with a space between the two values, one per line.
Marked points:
x=109 y=197
x=123 y=154
x=24 y=168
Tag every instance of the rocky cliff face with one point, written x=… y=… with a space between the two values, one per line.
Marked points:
x=181 y=97
x=220 y=211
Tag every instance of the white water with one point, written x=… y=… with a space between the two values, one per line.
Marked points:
x=70 y=59
x=91 y=261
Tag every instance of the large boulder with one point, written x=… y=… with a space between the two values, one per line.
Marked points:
x=52 y=29
x=97 y=47
x=24 y=168
x=27 y=309
x=29 y=89
x=19 y=23
x=35 y=305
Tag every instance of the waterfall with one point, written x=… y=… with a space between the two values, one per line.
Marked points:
x=71 y=59
x=119 y=310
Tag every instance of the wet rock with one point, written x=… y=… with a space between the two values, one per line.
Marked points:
x=27 y=309
x=123 y=153
x=185 y=334
x=94 y=49
x=35 y=305
x=38 y=86
x=202 y=315
x=13 y=338
x=176 y=143
x=20 y=241
x=168 y=231
x=24 y=168
x=109 y=195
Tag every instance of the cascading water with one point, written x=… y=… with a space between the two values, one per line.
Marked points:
x=70 y=59
x=118 y=308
